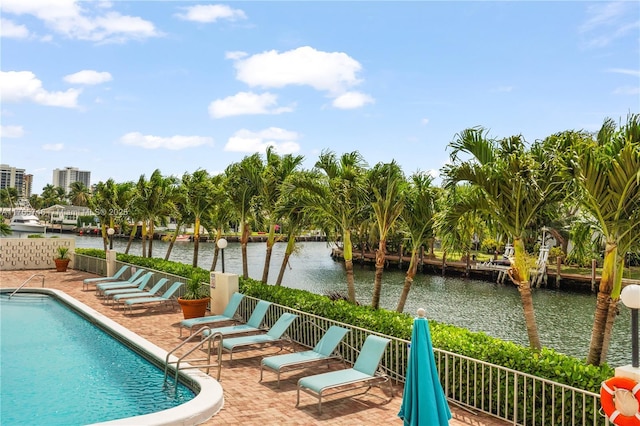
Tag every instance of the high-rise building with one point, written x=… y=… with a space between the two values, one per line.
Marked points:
x=65 y=177
x=12 y=177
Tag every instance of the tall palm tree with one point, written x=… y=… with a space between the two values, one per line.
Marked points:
x=220 y=216
x=179 y=212
x=387 y=186
x=276 y=170
x=607 y=169
x=241 y=182
x=337 y=199
x=79 y=194
x=418 y=220
x=104 y=204
x=9 y=197
x=198 y=188
x=512 y=184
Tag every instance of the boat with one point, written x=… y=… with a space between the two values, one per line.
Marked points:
x=183 y=237
x=26 y=222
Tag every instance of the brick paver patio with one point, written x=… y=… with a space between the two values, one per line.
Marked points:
x=247 y=401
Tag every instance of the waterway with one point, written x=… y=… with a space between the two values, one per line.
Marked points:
x=564 y=318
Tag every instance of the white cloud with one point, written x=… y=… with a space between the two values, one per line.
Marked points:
x=173 y=143
x=237 y=54
x=627 y=90
x=244 y=103
x=283 y=141
x=53 y=147
x=608 y=21
x=211 y=13
x=93 y=21
x=17 y=86
x=10 y=29
x=351 y=100
x=333 y=72
x=633 y=73
x=424 y=121
x=11 y=131
x=88 y=77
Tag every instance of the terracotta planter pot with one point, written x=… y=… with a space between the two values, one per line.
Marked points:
x=193 y=308
x=61 y=264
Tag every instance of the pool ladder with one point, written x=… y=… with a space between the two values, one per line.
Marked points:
x=209 y=340
x=25 y=283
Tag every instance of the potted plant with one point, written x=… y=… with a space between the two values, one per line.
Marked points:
x=62 y=261
x=195 y=299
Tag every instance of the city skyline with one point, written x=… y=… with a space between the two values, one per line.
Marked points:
x=124 y=88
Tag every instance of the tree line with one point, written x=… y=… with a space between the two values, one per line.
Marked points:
x=583 y=186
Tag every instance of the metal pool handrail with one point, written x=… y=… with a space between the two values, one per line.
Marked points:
x=25 y=283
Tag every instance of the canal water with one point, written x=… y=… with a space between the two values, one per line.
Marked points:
x=564 y=318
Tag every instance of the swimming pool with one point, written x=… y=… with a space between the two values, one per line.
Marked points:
x=64 y=363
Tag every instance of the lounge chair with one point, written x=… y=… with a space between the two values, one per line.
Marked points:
x=138 y=285
x=229 y=314
x=100 y=287
x=115 y=277
x=363 y=374
x=274 y=335
x=254 y=324
x=153 y=292
x=166 y=298
x=323 y=351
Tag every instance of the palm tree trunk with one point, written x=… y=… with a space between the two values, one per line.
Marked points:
x=408 y=280
x=196 y=242
x=216 y=251
x=377 y=285
x=602 y=305
x=150 y=236
x=173 y=241
x=524 y=288
x=103 y=230
x=267 y=258
x=291 y=243
x=348 y=264
x=134 y=230
x=612 y=313
x=244 y=240
x=144 y=239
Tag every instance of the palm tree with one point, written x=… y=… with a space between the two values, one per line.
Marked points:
x=5 y=229
x=275 y=171
x=9 y=197
x=104 y=204
x=179 y=212
x=338 y=198
x=153 y=203
x=219 y=217
x=387 y=188
x=512 y=184
x=79 y=194
x=198 y=188
x=242 y=181
x=418 y=220
x=607 y=170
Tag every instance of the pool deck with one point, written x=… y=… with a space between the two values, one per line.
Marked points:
x=247 y=401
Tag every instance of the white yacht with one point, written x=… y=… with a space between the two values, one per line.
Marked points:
x=26 y=222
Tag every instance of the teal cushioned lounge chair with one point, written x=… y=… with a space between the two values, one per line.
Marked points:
x=323 y=351
x=274 y=335
x=166 y=298
x=152 y=292
x=229 y=314
x=363 y=374
x=115 y=277
x=100 y=287
x=254 y=323
x=138 y=285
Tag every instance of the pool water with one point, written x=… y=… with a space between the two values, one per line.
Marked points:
x=57 y=368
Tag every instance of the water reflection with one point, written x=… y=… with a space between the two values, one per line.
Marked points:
x=564 y=319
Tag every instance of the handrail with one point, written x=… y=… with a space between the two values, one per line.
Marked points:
x=25 y=283
x=209 y=339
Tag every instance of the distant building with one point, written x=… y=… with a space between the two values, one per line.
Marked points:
x=12 y=177
x=65 y=177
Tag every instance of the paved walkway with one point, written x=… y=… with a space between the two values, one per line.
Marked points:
x=247 y=401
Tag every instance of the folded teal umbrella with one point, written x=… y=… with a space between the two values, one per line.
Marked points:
x=423 y=400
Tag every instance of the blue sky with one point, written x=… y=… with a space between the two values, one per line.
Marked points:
x=123 y=88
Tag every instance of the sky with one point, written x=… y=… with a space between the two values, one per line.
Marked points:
x=121 y=88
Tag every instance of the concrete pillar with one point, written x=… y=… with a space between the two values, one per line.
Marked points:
x=111 y=262
x=223 y=285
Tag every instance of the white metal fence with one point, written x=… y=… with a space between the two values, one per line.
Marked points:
x=516 y=397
